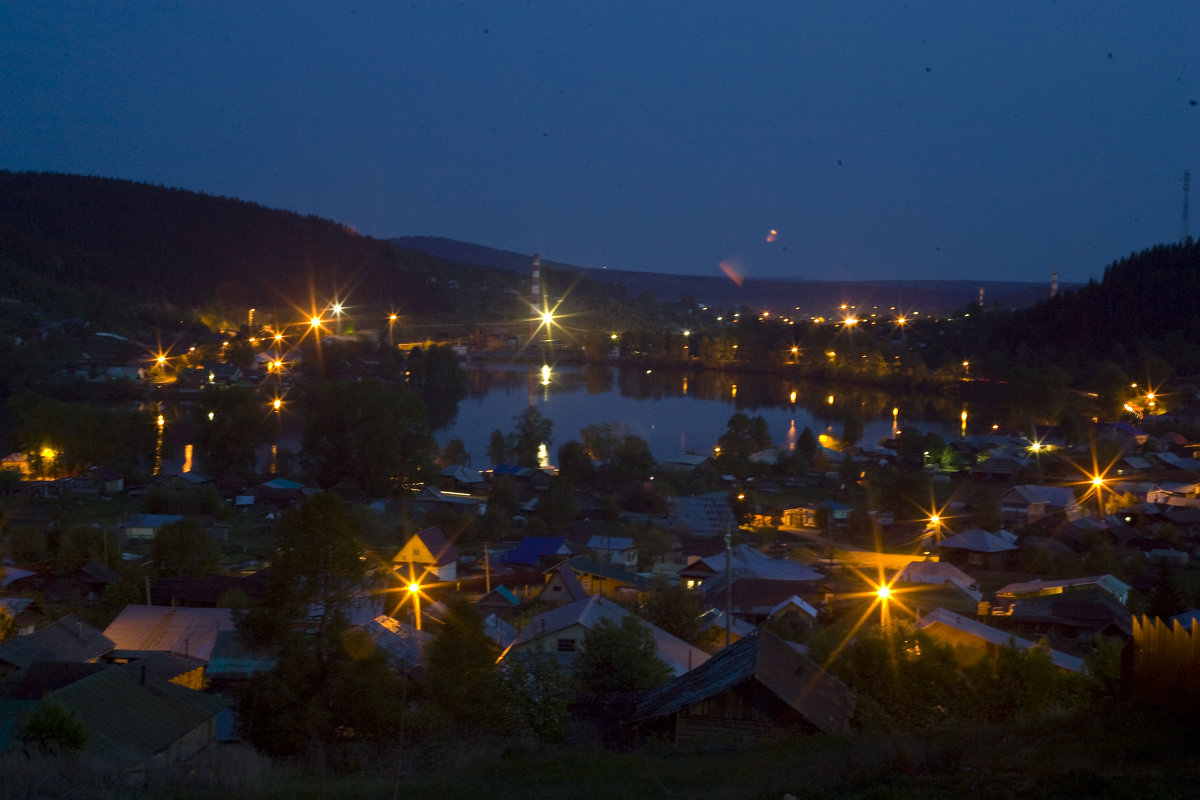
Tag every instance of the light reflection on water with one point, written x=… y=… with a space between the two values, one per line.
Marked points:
x=676 y=411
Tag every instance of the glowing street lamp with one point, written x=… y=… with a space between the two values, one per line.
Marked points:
x=414 y=591
x=882 y=594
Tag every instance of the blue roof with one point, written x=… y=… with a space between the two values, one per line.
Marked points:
x=533 y=548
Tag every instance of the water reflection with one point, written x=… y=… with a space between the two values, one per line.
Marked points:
x=680 y=410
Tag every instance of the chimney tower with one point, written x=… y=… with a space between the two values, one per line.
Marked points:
x=1053 y=283
x=535 y=286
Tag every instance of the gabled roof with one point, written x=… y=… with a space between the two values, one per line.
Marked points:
x=1030 y=493
x=532 y=549
x=190 y=631
x=746 y=561
x=794 y=602
x=128 y=720
x=1037 y=587
x=993 y=636
x=589 y=611
x=570 y=581
x=930 y=571
x=433 y=540
x=821 y=699
x=402 y=643
x=610 y=543
x=608 y=571
x=464 y=475
x=703 y=515
x=979 y=541
x=66 y=639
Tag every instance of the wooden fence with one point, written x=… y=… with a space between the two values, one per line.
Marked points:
x=1166 y=665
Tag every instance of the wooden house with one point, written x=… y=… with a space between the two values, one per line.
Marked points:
x=759 y=688
x=430 y=553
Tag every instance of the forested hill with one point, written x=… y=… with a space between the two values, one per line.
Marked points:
x=817 y=297
x=155 y=244
x=1146 y=308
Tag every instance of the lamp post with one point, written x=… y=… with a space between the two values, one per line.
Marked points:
x=883 y=593
x=728 y=585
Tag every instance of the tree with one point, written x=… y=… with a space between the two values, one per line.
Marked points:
x=437 y=377
x=497 y=450
x=330 y=686
x=184 y=548
x=230 y=424
x=600 y=440
x=575 y=464
x=52 y=729
x=461 y=667
x=619 y=657
x=558 y=506
x=852 y=430
x=454 y=454
x=743 y=437
x=8 y=625
x=631 y=461
x=674 y=609
x=372 y=435
x=531 y=433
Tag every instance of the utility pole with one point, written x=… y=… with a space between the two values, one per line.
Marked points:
x=728 y=584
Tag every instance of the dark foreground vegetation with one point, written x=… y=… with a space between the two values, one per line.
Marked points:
x=1117 y=751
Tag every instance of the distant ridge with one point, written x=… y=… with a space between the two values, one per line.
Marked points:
x=776 y=294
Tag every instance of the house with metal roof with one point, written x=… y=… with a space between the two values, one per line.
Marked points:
x=758 y=689
x=66 y=639
x=139 y=631
x=561 y=632
x=979 y=549
x=132 y=720
x=973 y=640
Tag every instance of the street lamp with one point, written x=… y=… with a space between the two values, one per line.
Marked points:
x=882 y=595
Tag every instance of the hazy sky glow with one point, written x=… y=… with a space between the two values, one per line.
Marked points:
x=881 y=140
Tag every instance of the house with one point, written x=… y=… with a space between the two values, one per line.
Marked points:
x=280 y=492
x=972 y=640
x=1070 y=621
x=401 y=643
x=432 y=498
x=799 y=614
x=979 y=549
x=705 y=516
x=233 y=661
x=806 y=516
x=24 y=613
x=562 y=586
x=713 y=627
x=758 y=689
x=1040 y=588
x=561 y=632
x=146 y=526
x=463 y=478
x=1027 y=503
x=930 y=583
x=427 y=552
x=538 y=552
x=499 y=601
x=139 y=631
x=131 y=720
x=619 y=550
x=68 y=639
x=608 y=579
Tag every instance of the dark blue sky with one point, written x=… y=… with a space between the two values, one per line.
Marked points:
x=881 y=140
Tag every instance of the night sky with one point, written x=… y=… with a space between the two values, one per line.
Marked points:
x=879 y=139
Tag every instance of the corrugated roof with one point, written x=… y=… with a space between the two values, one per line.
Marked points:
x=66 y=639
x=129 y=721
x=189 y=631
x=993 y=636
x=823 y=700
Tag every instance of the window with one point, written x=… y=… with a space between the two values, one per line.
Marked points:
x=566 y=645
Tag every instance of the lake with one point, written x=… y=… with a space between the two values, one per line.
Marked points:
x=678 y=411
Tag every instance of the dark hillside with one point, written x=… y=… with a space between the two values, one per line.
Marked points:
x=157 y=244
x=1146 y=305
x=778 y=294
